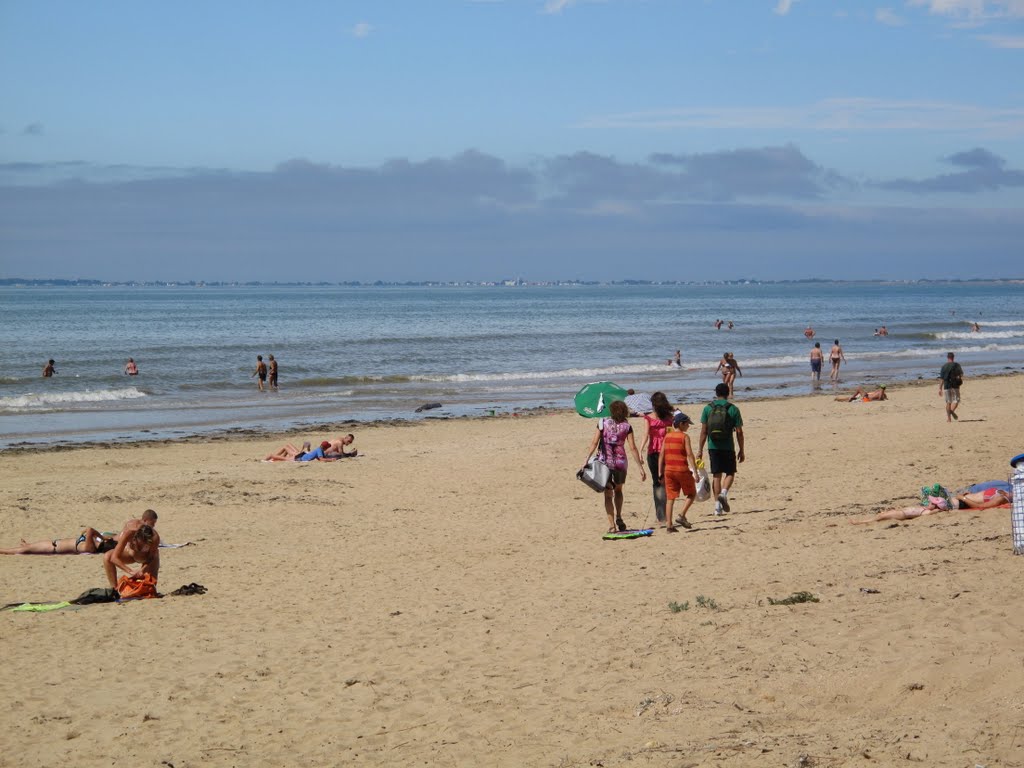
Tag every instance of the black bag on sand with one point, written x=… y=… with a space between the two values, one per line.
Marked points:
x=96 y=595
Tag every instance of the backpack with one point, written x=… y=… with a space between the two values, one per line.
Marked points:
x=955 y=379
x=720 y=424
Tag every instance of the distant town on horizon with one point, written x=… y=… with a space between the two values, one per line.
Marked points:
x=508 y=283
x=503 y=283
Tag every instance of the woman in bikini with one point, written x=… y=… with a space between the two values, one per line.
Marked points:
x=90 y=541
x=728 y=367
x=992 y=497
x=836 y=357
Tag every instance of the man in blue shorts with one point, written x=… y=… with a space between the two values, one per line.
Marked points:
x=719 y=420
x=816 y=356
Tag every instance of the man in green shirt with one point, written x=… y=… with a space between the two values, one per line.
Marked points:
x=719 y=420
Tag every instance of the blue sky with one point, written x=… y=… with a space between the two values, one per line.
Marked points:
x=553 y=139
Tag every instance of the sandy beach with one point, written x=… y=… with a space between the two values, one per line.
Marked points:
x=447 y=599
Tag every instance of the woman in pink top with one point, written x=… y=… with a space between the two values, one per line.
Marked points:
x=613 y=436
x=658 y=422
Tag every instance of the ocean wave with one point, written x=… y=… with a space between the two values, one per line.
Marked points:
x=938 y=353
x=706 y=367
x=335 y=393
x=52 y=399
x=998 y=323
x=334 y=381
x=979 y=334
x=588 y=374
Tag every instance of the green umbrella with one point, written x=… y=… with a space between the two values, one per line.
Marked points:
x=593 y=400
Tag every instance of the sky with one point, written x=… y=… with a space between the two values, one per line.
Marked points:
x=489 y=139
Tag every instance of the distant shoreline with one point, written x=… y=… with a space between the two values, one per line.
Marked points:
x=18 y=282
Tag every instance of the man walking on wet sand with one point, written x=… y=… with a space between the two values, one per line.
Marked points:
x=950 y=378
x=718 y=421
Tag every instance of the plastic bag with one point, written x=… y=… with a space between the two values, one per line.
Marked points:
x=703 y=482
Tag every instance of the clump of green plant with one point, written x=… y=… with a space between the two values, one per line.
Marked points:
x=678 y=608
x=796 y=597
x=707 y=602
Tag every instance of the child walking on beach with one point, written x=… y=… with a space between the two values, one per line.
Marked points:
x=678 y=471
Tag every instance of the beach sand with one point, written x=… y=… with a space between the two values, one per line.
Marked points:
x=446 y=599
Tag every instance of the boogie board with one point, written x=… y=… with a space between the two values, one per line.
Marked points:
x=631 y=534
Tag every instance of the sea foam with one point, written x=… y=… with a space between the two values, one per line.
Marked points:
x=56 y=400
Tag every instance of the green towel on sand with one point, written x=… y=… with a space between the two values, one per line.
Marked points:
x=40 y=607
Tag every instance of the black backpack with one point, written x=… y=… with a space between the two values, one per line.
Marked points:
x=955 y=379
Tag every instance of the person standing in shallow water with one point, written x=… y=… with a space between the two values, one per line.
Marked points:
x=48 y=369
x=816 y=357
x=836 y=357
x=260 y=373
x=273 y=372
x=130 y=368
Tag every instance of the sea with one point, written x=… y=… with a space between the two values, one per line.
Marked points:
x=380 y=353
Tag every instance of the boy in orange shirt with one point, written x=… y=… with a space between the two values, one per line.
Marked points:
x=678 y=470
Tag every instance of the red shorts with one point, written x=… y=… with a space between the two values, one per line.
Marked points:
x=679 y=481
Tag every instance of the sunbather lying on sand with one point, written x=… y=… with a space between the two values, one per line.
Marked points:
x=863 y=394
x=90 y=540
x=290 y=453
x=993 y=497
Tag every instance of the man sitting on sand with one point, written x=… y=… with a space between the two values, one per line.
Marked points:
x=136 y=544
x=336 y=449
x=993 y=497
x=863 y=394
x=89 y=541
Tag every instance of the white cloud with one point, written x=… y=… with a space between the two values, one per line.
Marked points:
x=888 y=17
x=1002 y=41
x=973 y=9
x=362 y=29
x=839 y=115
x=557 y=6
x=784 y=7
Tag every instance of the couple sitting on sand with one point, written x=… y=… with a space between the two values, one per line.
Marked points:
x=328 y=450
x=935 y=498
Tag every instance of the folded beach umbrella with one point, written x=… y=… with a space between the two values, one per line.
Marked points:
x=594 y=399
x=639 y=403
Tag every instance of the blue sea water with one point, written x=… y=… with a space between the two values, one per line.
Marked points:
x=378 y=352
